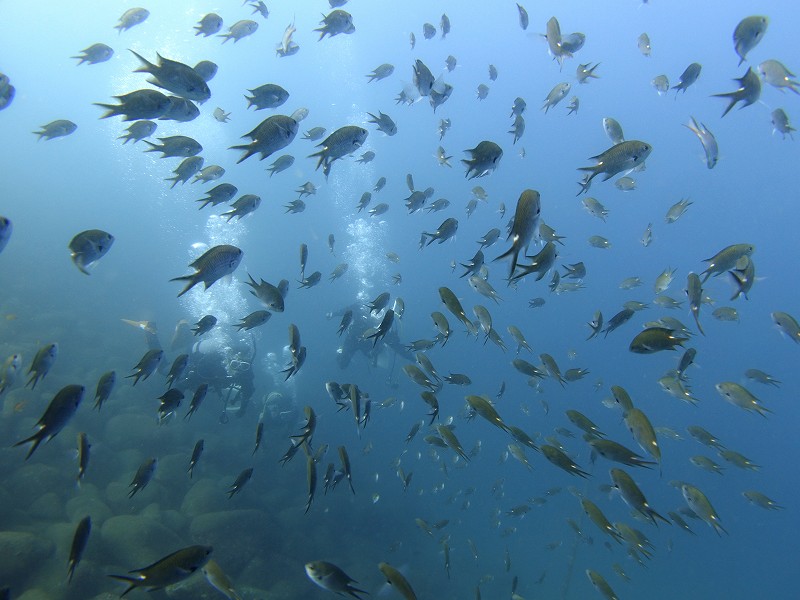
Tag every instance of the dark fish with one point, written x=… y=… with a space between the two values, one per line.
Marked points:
x=139 y=104
x=204 y=325
x=171 y=569
x=268 y=95
x=330 y=577
x=688 y=77
x=197 y=399
x=242 y=479
x=346 y=466
x=59 y=412
x=41 y=364
x=170 y=401
x=147 y=365
x=214 y=264
x=83 y=454
x=341 y=142
x=144 y=474
x=177 y=369
x=79 y=541
x=336 y=22
x=526 y=220
x=259 y=435
x=175 y=146
x=272 y=134
x=196 y=453
x=749 y=91
x=311 y=470
x=88 y=247
x=383 y=328
x=104 y=388
x=484 y=159
x=347 y=318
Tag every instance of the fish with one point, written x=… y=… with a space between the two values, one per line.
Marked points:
x=87 y=247
x=340 y=143
x=147 y=365
x=740 y=396
x=271 y=135
x=217 y=578
x=655 y=339
x=556 y=95
x=380 y=72
x=444 y=232
x=336 y=22
x=523 y=17
x=137 y=105
x=58 y=413
x=197 y=452
x=600 y=584
x=661 y=84
x=210 y=24
x=105 y=385
x=176 y=77
x=526 y=221
x=624 y=156
x=613 y=130
x=747 y=34
x=345 y=460
x=41 y=364
x=240 y=481
x=562 y=461
x=616 y=452
x=643 y=43
x=175 y=146
x=269 y=95
x=700 y=505
x=131 y=18
x=787 y=324
x=83 y=454
x=6 y=227
x=280 y=164
x=484 y=159
x=748 y=92
x=398 y=581
x=775 y=74
x=585 y=72
x=638 y=424
x=633 y=496
x=212 y=265
x=239 y=30
x=780 y=123
x=79 y=541
x=330 y=577
x=726 y=259
x=143 y=476
x=170 y=401
x=384 y=123
x=169 y=570
x=688 y=77
x=94 y=54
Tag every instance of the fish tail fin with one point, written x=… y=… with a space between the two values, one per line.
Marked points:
x=36 y=438
x=248 y=151
x=147 y=66
x=733 y=100
x=191 y=282
x=131 y=580
x=77 y=260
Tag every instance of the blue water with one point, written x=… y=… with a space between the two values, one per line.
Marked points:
x=52 y=190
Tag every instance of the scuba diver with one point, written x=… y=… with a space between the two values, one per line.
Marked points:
x=228 y=371
x=384 y=354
